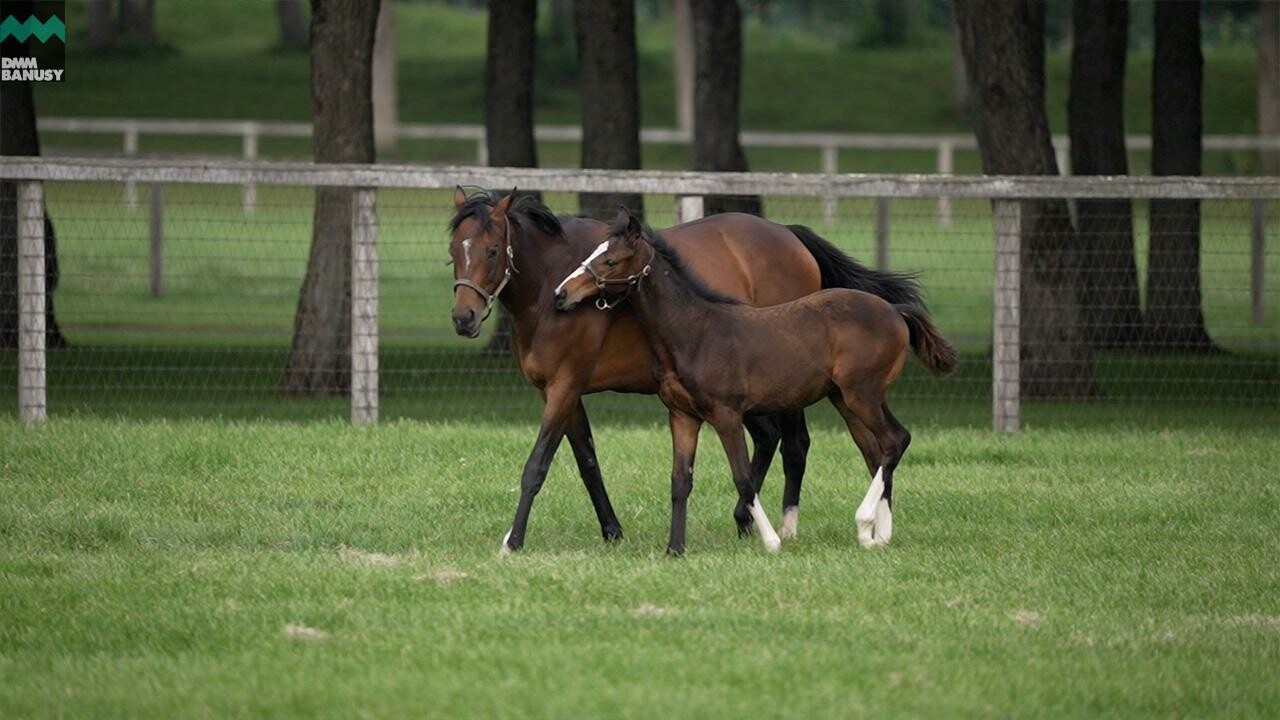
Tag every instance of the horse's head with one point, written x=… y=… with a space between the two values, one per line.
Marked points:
x=480 y=251
x=617 y=264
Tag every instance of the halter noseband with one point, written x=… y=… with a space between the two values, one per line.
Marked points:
x=488 y=297
x=631 y=281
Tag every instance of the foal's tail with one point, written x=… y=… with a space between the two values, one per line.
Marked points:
x=933 y=350
x=841 y=271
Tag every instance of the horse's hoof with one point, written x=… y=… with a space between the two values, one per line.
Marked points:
x=506 y=548
x=744 y=531
x=675 y=552
x=612 y=534
x=772 y=543
x=790 y=519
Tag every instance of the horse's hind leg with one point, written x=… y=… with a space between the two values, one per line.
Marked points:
x=765 y=436
x=795 y=454
x=865 y=415
x=578 y=432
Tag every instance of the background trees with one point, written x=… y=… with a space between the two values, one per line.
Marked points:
x=342 y=37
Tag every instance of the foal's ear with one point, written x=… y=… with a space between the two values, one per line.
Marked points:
x=459 y=197
x=503 y=205
x=633 y=227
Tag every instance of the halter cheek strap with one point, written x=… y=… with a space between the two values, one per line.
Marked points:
x=490 y=298
x=630 y=282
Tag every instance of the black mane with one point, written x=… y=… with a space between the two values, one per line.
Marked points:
x=679 y=270
x=526 y=211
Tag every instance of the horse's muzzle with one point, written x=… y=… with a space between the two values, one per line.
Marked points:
x=562 y=301
x=466 y=323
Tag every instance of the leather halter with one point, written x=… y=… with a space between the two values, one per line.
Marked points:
x=490 y=298
x=630 y=281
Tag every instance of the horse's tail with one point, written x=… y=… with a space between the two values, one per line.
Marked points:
x=841 y=271
x=934 y=351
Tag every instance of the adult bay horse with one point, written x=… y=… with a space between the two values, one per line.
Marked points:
x=722 y=360
x=512 y=251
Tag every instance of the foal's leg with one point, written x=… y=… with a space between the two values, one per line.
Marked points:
x=684 y=447
x=562 y=396
x=578 y=432
x=863 y=412
x=765 y=435
x=795 y=454
x=729 y=427
x=883 y=529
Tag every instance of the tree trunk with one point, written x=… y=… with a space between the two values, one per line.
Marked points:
x=1269 y=80
x=293 y=28
x=1003 y=46
x=138 y=20
x=102 y=29
x=342 y=36
x=18 y=137
x=508 y=107
x=683 y=59
x=1112 y=310
x=717 y=31
x=893 y=18
x=1175 y=321
x=386 y=111
x=606 y=33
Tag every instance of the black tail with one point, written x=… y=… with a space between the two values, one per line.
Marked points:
x=841 y=271
x=933 y=350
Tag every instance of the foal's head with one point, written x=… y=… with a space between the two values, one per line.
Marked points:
x=482 y=257
x=617 y=264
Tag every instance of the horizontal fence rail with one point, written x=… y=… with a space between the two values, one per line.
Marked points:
x=373 y=222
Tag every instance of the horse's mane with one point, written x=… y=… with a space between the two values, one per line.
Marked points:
x=526 y=210
x=679 y=270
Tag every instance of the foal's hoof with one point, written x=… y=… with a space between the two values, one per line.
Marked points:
x=506 y=548
x=675 y=552
x=612 y=534
x=790 y=520
x=772 y=543
x=744 y=529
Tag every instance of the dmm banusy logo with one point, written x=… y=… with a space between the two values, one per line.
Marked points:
x=33 y=41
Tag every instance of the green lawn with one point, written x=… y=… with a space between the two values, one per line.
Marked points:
x=221 y=64
x=194 y=569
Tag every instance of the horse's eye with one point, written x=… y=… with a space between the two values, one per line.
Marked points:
x=610 y=263
x=493 y=252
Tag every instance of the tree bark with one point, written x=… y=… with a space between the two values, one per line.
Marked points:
x=1175 y=321
x=102 y=29
x=18 y=137
x=293 y=27
x=1003 y=44
x=1112 y=311
x=386 y=96
x=1269 y=79
x=606 y=35
x=138 y=20
x=717 y=31
x=508 y=107
x=342 y=37
x=959 y=79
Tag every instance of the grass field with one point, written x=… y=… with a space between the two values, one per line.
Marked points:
x=160 y=569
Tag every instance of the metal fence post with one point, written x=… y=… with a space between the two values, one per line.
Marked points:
x=882 y=232
x=946 y=165
x=830 y=166
x=364 y=308
x=32 y=400
x=1005 y=329
x=688 y=207
x=130 y=150
x=1258 y=261
x=249 y=147
x=156 y=255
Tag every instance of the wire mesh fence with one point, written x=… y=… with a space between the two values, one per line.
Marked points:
x=187 y=306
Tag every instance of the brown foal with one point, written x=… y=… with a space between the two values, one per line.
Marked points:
x=721 y=361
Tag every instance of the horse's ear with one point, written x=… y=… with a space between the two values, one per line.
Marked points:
x=500 y=209
x=459 y=197
x=633 y=226
x=623 y=215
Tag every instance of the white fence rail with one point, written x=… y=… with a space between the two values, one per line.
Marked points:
x=687 y=187
x=829 y=144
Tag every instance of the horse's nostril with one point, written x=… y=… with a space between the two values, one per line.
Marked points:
x=471 y=314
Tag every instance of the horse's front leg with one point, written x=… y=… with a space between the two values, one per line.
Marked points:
x=562 y=395
x=578 y=432
x=728 y=426
x=765 y=436
x=684 y=448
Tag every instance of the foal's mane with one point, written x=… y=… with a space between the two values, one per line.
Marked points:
x=526 y=211
x=681 y=272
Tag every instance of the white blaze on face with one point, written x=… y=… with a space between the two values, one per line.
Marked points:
x=583 y=267
x=466 y=255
